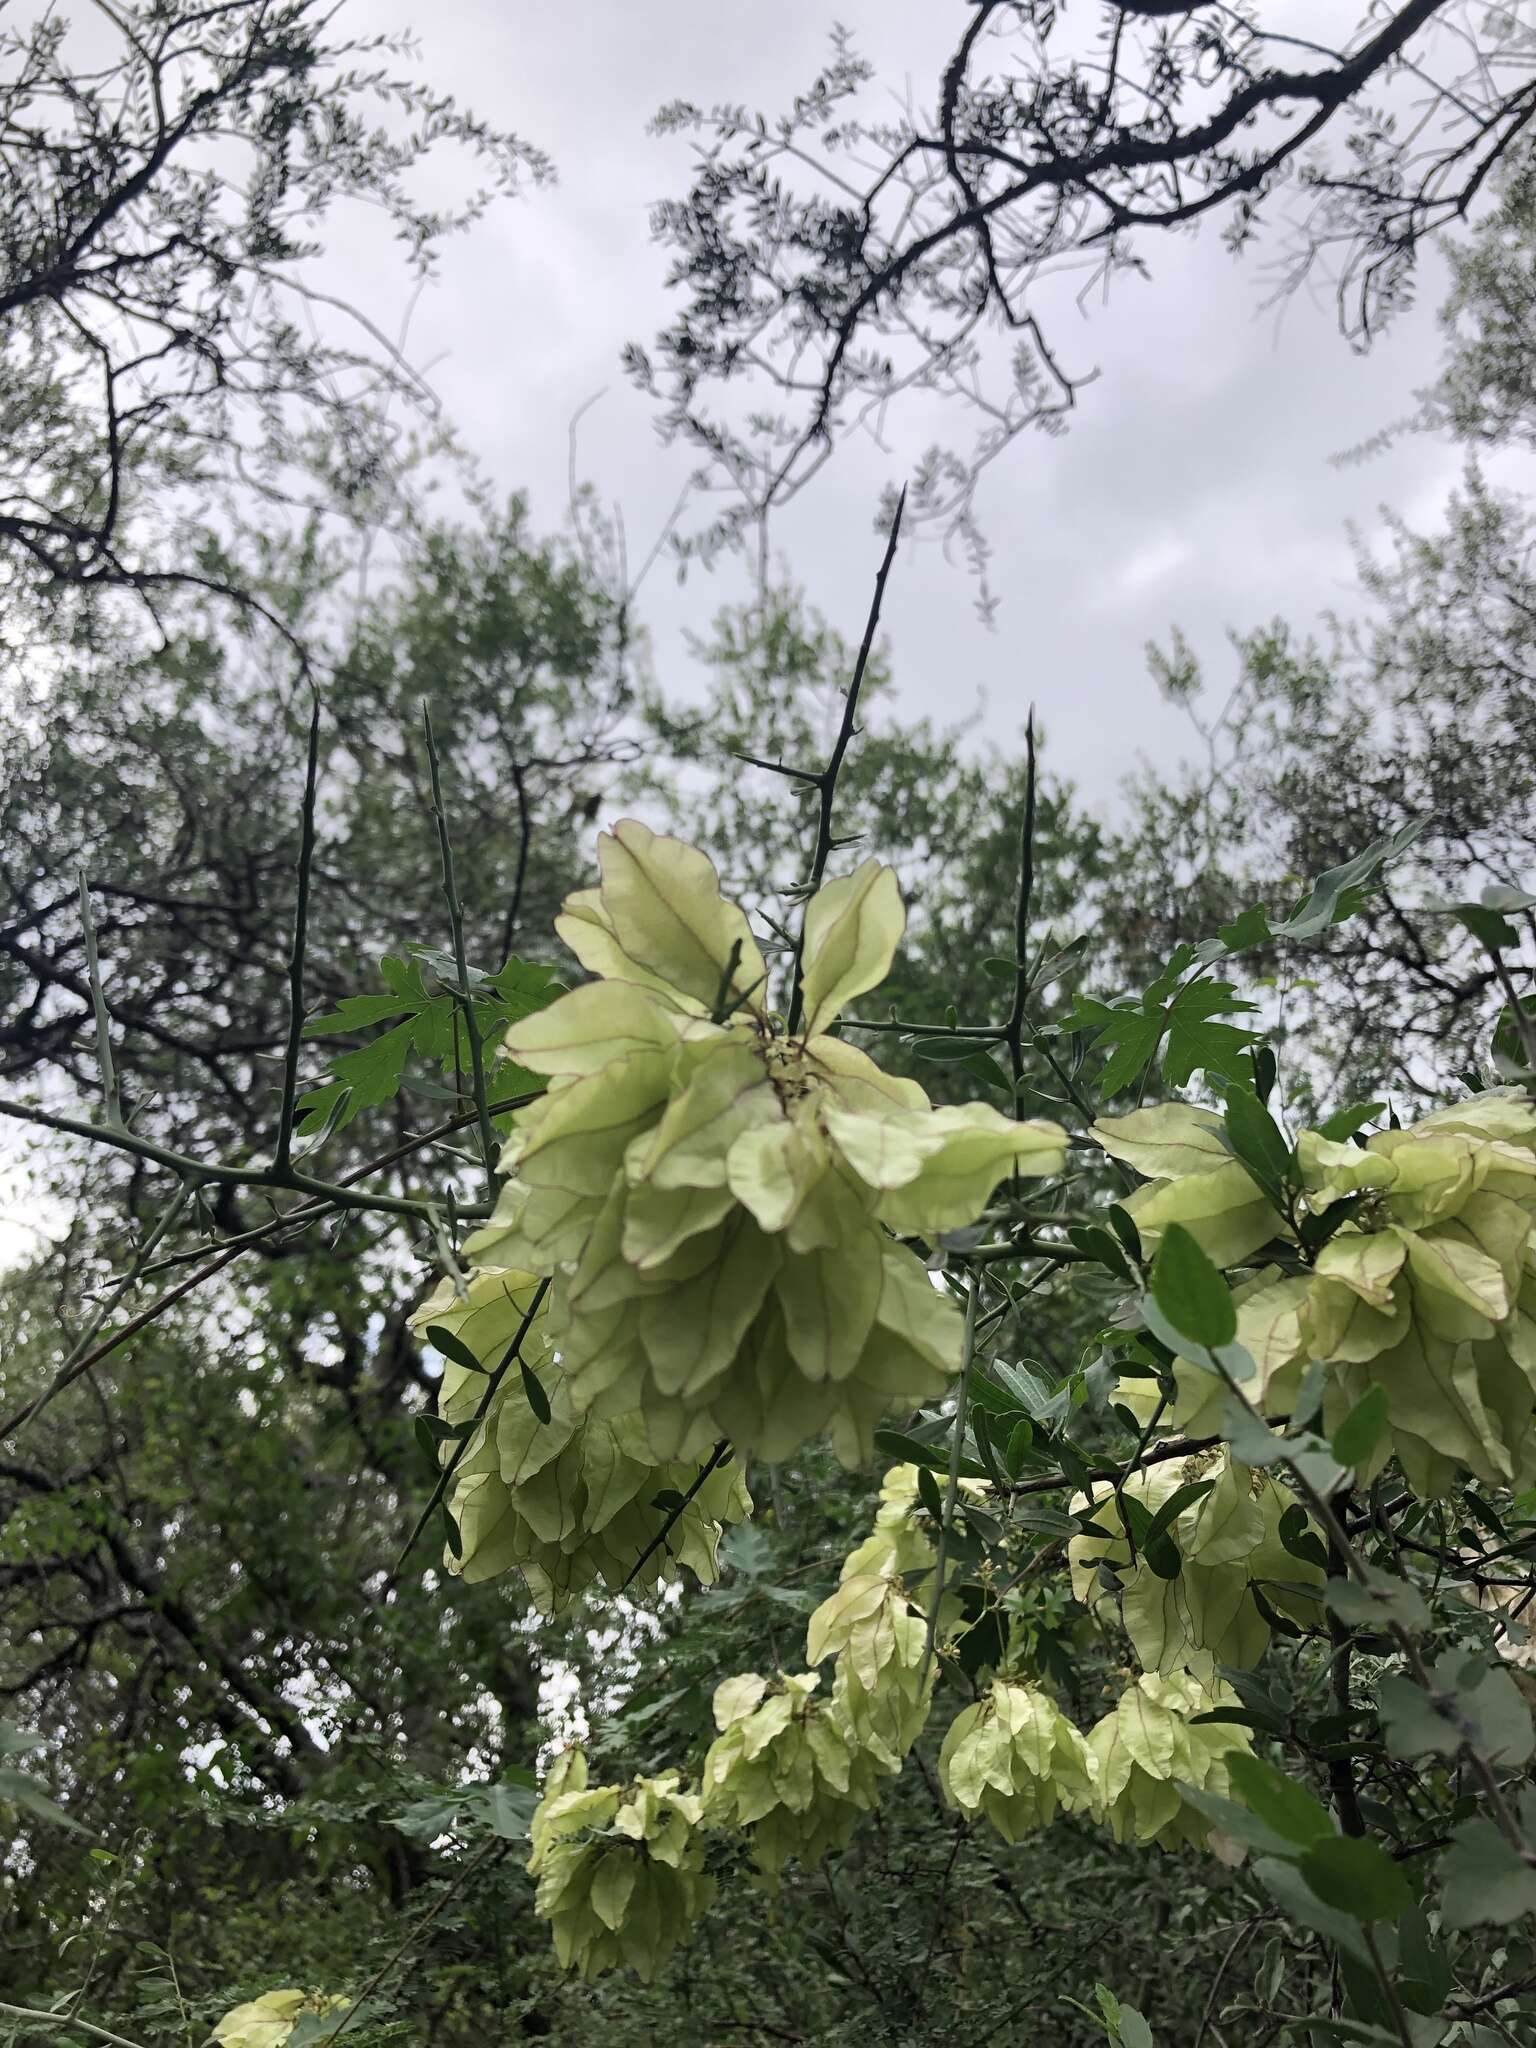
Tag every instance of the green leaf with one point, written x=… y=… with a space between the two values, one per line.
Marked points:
x=1249 y=928
x=1299 y=1540
x=506 y=1809
x=432 y=1025
x=1134 y=1033
x=1020 y=1442
x=1174 y=1506
x=1378 y=1603
x=444 y=1340
x=1278 y=1801
x=928 y=1492
x=425 y=1819
x=1485 y=1882
x=945 y=1051
x=1195 y=1042
x=1190 y=1291
x=1252 y=1440
x=1323 y=906
x=1295 y=1897
x=1257 y=1140
x=1097 y=1243
x=1241 y=1823
x=1356 y=1876
x=982 y=1434
x=534 y=1392
x=910 y=1450
x=1491 y=930
x=1157 y=1547
x=1345 y=1122
x=1123 y=1223
x=1471 y=1704
x=1362 y=1429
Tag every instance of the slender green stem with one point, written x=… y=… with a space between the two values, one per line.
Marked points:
x=82 y=1344
x=391 y=1963
x=294 y=1179
x=307 y=1212
x=1520 y=1018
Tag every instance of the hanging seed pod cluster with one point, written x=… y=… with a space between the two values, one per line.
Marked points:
x=715 y=1199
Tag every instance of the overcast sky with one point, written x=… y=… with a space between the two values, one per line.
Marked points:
x=1194 y=486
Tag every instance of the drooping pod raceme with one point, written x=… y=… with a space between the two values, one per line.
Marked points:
x=789 y=1767
x=1149 y=1744
x=897 y=1543
x=1015 y=1757
x=573 y=1499
x=877 y=1630
x=268 y=2021
x=714 y=1197
x=1228 y=1540
x=620 y=1869
x=1426 y=1289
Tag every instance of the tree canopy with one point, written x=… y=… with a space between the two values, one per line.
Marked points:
x=708 y=1362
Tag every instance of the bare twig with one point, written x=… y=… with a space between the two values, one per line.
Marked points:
x=304 y=868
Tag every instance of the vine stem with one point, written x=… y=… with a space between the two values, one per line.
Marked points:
x=1013 y=1031
x=392 y=1962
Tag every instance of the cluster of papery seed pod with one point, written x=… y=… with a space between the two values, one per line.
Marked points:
x=564 y=1499
x=712 y=1196
x=1203 y=1606
x=788 y=1767
x=620 y=1868
x=1015 y=1757
x=1426 y=1289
